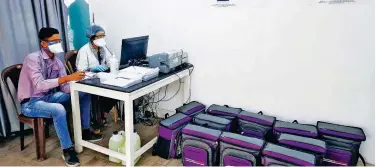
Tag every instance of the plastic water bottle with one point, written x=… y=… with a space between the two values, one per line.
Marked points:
x=116 y=141
x=136 y=142
x=114 y=65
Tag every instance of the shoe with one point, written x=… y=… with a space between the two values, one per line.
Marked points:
x=70 y=157
x=90 y=136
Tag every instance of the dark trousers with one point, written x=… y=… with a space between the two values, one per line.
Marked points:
x=100 y=106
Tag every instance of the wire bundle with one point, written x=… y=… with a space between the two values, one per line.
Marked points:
x=147 y=114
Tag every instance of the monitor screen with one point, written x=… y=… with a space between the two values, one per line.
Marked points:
x=134 y=48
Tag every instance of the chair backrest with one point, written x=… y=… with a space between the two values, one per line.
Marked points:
x=13 y=73
x=70 y=61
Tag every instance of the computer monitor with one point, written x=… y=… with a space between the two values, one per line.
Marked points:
x=133 y=49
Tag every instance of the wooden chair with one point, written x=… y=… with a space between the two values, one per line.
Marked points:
x=37 y=124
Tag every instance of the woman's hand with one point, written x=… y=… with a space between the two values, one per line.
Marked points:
x=99 y=68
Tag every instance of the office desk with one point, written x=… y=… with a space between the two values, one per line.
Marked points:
x=93 y=86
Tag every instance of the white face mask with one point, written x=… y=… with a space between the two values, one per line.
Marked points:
x=56 y=48
x=100 y=42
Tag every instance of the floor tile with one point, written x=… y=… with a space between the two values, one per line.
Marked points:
x=174 y=162
x=11 y=161
x=145 y=162
x=109 y=163
x=163 y=162
x=101 y=162
x=50 y=162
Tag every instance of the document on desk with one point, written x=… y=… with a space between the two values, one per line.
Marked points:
x=128 y=76
x=123 y=79
x=146 y=72
x=123 y=82
x=89 y=75
x=103 y=76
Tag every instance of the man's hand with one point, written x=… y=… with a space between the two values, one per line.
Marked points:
x=73 y=77
x=76 y=76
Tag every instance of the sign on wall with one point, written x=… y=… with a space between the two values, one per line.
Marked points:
x=223 y=3
x=335 y=1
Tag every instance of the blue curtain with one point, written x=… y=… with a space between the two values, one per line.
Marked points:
x=79 y=20
x=20 y=21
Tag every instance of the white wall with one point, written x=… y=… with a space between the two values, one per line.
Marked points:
x=293 y=59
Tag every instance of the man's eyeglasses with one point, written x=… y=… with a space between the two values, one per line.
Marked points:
x=53 y=41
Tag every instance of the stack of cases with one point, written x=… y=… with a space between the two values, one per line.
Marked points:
x=193 y=108
x=295 y=129
x=312 y=146
x=255 y=125
x=212 y=122
x=343 y=143
x=238 y=150
x=199 y=146
x=274 y=155
x=225 y=112
x=169 y=130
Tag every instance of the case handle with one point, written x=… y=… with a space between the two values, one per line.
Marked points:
x=166 y=115
x=260 y=112
x=229 y=107
x=295 y=121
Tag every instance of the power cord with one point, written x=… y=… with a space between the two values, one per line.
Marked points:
x=190 y=79
x=151 y=102
x=177 y=90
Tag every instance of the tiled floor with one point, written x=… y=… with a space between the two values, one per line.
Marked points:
x=10 y=154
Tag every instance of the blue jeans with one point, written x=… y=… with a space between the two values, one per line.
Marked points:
x=53 y=106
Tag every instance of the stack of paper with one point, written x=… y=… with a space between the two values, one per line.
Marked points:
x=146 y=72
x=128 y=76
x=123 y=82
x=103 y=76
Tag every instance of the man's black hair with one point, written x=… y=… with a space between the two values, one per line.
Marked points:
x=47 y=32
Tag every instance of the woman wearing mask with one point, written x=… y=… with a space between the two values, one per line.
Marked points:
x=95 y=57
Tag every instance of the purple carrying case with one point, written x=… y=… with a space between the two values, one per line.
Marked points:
x=193 y=108
x=256 y=124
x=226 y=112
x=223 y=111
x=286 y=155
x=239 y=150
x=295 y=128
x=302 y=143
x=169 y=135
x=343 y=143
x=341 y=131
x=199 y=146
x=212 y=122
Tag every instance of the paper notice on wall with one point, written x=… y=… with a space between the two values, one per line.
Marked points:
x=334 y=2
x=223 y=3
x=339 y=2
